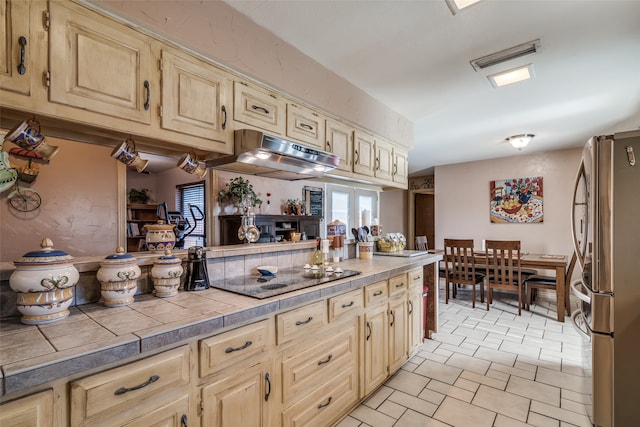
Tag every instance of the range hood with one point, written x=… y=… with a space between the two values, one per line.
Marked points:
x=257 y=153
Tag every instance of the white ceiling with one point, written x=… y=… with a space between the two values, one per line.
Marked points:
x=413 y=56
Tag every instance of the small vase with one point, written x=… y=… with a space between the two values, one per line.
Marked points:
x=229 y=209
x=524 y=198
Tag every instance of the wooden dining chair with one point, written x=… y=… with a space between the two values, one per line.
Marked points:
x=537 y=281
x=421 y=243
x=461 y=269
x=503 y=270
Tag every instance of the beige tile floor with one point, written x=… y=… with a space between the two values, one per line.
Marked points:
x=484 y=368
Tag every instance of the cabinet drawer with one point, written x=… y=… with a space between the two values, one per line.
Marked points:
x=398 y=284
x=304 y=371
x=375 y=293
x=232 y=347
x=325 y=404
x=344 y=304
x=113 y=391
x=415 y=278
x=257 y=107
x=305 y=125
x=300 y=321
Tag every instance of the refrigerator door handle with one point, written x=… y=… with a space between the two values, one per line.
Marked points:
x=580 y=295
x=576 y=245
x=586 y=335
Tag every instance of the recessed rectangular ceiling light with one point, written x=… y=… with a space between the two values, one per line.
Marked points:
x=456 y=5
x=514 y=75
x=505 y=55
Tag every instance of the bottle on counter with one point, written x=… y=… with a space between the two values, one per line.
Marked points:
x=317 y=258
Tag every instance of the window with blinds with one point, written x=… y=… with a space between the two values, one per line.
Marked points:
x=192 y=195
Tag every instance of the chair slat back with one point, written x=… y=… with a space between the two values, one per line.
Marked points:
x=503 y=263
x=572 y=264
x=459 y=260
x=421 y=243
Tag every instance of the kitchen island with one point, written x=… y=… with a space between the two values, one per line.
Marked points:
x=197 y=341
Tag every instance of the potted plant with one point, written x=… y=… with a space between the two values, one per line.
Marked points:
x=237 y=189
x=295 y=207
x=139 y=196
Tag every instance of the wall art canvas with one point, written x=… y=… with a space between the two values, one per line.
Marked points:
x=517 y=200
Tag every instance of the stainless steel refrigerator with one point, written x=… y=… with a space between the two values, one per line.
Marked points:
x=606 y=230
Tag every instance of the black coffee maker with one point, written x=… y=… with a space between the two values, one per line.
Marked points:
x=197 y=277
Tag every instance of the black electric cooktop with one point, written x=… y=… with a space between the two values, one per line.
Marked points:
x=286 y=280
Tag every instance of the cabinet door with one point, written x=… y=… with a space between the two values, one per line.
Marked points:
x=99 y=65
x=398 y=329
x=194 y=97
x=15 y=52
x=340 y=142
x=375 y=347
x=305 y=125
x=238 y=399
x=415 y=321
x=384 y=160
x=311 y=227
x=363 y=153
x=35 y=410
x=173 y=414
x=258 y=107
x=400 y=166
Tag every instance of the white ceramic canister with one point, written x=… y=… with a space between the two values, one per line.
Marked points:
x=160 y=236
x=118 y=276
x=43 y=281
x=166 y=273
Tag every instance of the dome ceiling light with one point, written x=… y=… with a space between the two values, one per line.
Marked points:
x=520 y=141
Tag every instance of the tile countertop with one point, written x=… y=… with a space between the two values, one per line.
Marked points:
x=94 y=335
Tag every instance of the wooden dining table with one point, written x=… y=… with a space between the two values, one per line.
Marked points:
x=555 y=263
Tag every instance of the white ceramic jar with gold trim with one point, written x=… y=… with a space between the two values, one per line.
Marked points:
x=118 y=276
x=166 y=273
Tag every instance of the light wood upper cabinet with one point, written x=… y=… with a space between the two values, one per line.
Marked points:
x=16 y=50
x=400 y=166
x=258 y=107
x=340 y=141
x=363 y=153
x=34 y=411
x=305 y=125
x=100 y=65
x=195 y=97
x=384 y=160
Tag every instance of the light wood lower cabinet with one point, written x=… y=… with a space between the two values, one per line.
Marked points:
x=33 y=411
x=376 y=354
x=172 y=414
x=125 y=394
x=398 y=331
x=416 y=310
x=239 y=397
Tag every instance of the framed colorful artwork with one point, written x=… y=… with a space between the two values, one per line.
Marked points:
x=516 y=200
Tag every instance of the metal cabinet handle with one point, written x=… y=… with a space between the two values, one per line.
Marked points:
x=300 y=322
x=327 y=360
x=395 y=169
x=224 y=117
x=328 y=145
x=258 y=107
x=410 y=307
x=368 y=331
x=123 y=390
x=377 y=163
x=324 y=405
x=306 y=126
x=183 y=420
x=268 y=381
x=377 y=294
x=393 y=317
x=400 y=285
x=22 y=41
x=347 y=305
x=357 y=157
x=148 y=96
x=231 y=349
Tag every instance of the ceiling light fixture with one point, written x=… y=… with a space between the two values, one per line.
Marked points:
x=457 y=5
x=520 y=141
x=507 y=54
x=514 y=75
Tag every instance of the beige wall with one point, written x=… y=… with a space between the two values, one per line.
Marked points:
x=79 y=200
x=393 y=211
x=217 y=31
x=462 y=200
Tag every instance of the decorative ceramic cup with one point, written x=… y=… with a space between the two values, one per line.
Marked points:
x=118 y=276
x=160 y=237
x=166 y=272
x=44 y=281
x=365 y=250
x=127 y=154
x=190 y=164
x=27 y=135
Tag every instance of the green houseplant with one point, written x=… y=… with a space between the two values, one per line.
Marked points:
x=139 y=196
x=236 y=190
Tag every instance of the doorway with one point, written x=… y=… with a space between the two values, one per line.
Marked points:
x=425 y=218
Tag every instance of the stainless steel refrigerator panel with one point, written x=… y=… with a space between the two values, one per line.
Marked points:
x=603 y=371
x=603 y=204
x=601 y=318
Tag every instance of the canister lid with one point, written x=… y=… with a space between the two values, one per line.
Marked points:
x=119 y=257
x=46 y=255
x=168 y=258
